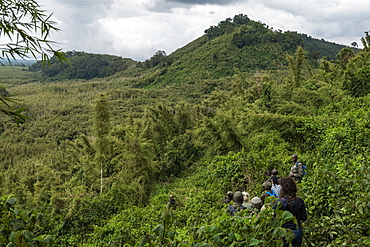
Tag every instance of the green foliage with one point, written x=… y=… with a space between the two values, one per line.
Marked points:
x=296 y=64
x=11 y=76
x=28 y=28
x=240 y=171
x=10 y=104
x=79 y=216
x=366 y=40
x=126 y=228
x=159 y=58
x=357 y=74
x=244 y=229
x=256 y=33
x=236 y=43
x=102 y=128
x=226 y=26
x=21 y=228
x=6 y=106
x=83 y=65
x=319 y=48
x=328 y=190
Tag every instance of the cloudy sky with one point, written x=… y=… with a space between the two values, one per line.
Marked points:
x=138 y=28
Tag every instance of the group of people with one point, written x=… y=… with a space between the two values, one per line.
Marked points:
x=284 y=190
x=242 y=201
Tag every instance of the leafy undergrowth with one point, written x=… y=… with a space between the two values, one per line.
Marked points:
x=334 y=192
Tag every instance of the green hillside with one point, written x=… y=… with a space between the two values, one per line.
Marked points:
x=96 y=159
x=234 y=44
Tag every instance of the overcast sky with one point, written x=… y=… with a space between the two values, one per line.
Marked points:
x=138 y=28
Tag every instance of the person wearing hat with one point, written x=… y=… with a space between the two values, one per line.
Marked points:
x=246 y=200
x=296 y=171
x=268 y=192
x=171 y=204
x=256 y=203
x=238 y=203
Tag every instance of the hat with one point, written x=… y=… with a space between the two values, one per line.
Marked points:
x=172 y=196
x=246 y=196
x=267 y=185
x=229 y=193
x=256 y=202
x=238 y=196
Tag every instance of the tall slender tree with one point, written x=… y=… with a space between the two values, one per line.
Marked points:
x=102 y=129
x=296 y=65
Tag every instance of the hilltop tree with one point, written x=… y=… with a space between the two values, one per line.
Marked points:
x=357 y=73
x=241 y=19
x=366 y=40
x=157 y=58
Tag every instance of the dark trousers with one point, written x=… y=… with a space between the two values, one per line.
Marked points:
x=297 y=241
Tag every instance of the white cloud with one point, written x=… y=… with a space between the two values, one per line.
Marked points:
x=139 y=28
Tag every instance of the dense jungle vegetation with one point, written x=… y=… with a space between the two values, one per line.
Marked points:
x=98 y=156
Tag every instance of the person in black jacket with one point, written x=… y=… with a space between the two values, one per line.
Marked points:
x=295 y=205
x=171 y=204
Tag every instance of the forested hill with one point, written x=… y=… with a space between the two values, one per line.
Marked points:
x=83 y=65
x=236 y=43
x=242 y=44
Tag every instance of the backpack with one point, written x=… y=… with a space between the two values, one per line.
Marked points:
x=271 y=193
x=234 y=210
x=303 y=167
x=292 y=208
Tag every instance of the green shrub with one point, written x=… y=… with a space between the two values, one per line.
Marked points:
x=21 y=228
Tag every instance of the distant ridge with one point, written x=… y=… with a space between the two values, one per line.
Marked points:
x=18 y=63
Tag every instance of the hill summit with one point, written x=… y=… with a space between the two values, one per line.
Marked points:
x=235 y=43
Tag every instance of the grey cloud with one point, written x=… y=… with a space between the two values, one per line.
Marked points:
x=166 y=6
x=202 y=2
x=84 y=3
x=78 y=21
x=332 y=20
